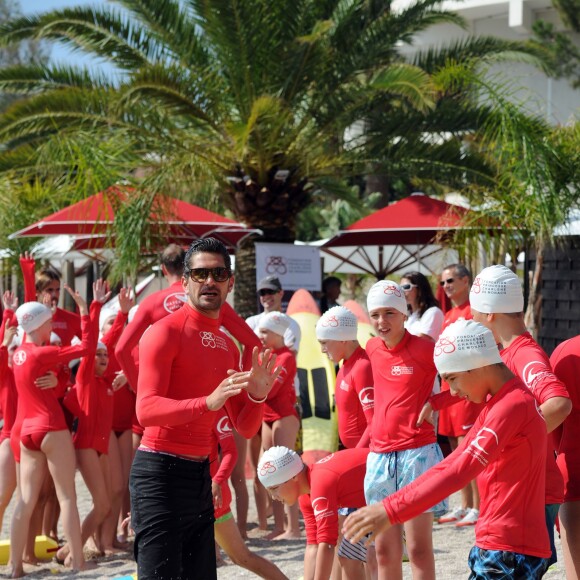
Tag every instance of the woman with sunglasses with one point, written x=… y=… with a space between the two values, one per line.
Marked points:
x=425 y=317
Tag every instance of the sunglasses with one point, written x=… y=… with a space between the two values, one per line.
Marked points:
x=448 y=281
x=267 y=292
x=407 y=287
x=219 y=274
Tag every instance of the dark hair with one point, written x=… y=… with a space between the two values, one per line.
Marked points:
x=44 y=277
x=329 y=282
x=425 y=296
x=460 y=270
x=173 y=258
x=209 y=245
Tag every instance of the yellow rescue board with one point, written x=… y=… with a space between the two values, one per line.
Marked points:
x=317 y=378
x=44 y=549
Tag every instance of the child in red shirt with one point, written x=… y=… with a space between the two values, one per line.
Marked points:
x=505 y=449
x=334 y=482
x=280 y=424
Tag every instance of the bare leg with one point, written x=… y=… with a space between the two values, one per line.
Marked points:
x=7 y=477
x=570 y=531
x=60 y=454
x=238 y=480
x=419 y=534
x=32 y=472
x=260 y=493
x=284 y=433
x=277 y=507
x=228 y=537
x=389 y=549
x=50 y=511
x=117 y=485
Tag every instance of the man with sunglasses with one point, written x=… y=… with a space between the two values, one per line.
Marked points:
x=455 y=422
x=189 y=371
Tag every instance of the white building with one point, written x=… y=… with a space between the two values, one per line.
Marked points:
x=555 y=100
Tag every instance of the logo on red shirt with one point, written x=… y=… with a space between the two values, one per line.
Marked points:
x=479 y=452
x=390 y=290
x=19 y=357
x=320 y=506
x=326 y=458
x=533 y=372
x=445 y=344
x=344 y=385
x=210 y=340
x=399 y=370
x=223 y=426
x=174 y=301
x=267 y=467
x=476 y=288
x=367 y=397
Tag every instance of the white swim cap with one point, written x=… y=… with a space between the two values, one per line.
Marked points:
x=463 y=346
x=106 y=314
x=337 y=323
x=132 y=312
x=387 y=294
x=54 y=338
x=277 y=322
x=102 y=346
x=278 y=465
x=496 y=290
x=32 y=315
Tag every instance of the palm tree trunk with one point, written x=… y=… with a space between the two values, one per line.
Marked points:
x=534 y=309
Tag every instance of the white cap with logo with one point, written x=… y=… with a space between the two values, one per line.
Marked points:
x=496 y=290
x=32 y=315
x=277 y=322
x=278 y=465
x=387 y=294
x=337 y=323
x=463 y=346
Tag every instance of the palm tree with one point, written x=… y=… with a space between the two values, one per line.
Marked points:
x=242 y=103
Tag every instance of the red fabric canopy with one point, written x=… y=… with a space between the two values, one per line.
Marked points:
x=417 y=219
x=179 y=222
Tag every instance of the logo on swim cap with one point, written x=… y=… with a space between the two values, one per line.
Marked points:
x=267 y=467
x=331 y=321
x=392 y=290
x=19 y=357
x=174 y=301
x=223 y=426
x=476 y=287
x=320 y=506
x=445 y=344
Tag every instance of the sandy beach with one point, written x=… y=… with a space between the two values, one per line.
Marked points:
x=451 y=544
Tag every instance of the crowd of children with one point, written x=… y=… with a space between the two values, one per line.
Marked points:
x=68 y=399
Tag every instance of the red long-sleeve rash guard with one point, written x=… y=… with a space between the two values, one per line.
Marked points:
x=403 y=378
x=335 y=481
x=505 y=449
x=183 y=358
x=565 y=361
x=221 y=471
x=526 y=359
x=355 y=400
x=282 y=397
x=155 y=307
x=40 y=407
x=94 y=397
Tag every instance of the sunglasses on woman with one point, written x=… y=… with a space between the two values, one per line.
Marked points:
x=408 y=287
x=200 y=275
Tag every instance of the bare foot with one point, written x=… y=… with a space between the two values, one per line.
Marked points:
x=112 y=551
x=62 y=554
x=288 y=535
x=91 y=565
x=120 y=545
x=17 y=572
x=31 y=559
x=273 y=534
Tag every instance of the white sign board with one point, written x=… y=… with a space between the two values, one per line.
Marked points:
x=295 y=266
